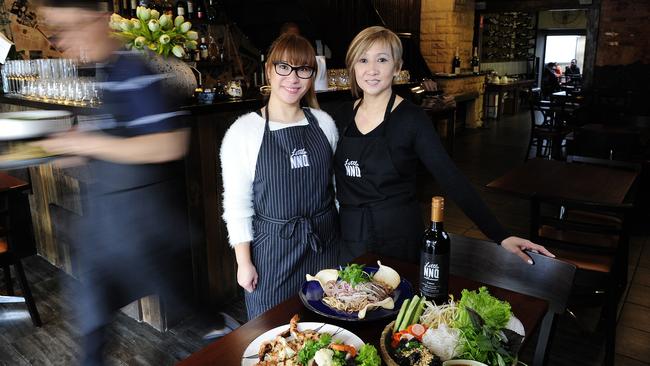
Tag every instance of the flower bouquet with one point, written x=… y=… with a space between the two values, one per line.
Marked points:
x=154 y=32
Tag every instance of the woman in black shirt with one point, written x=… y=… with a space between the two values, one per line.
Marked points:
x=382 y=140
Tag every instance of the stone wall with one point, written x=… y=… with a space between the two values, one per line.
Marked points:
x=465 y=86
x=445 y=25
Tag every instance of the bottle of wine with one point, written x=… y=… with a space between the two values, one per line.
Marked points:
x=260 y=75
x=168 y=8
x=212 y=12
x=190 y=9
x=203 y=49
x=134 y=6
x=455 y=64
x=181 y=8
x=434 y=259
x=475 y=63
x=199 y=11
x=213 y=49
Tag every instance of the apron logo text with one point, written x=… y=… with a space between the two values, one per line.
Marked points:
x=352 y=168
x=299 y=159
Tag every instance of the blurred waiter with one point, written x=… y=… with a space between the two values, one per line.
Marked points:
x=133 y=231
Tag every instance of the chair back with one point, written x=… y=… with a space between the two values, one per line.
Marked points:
x=579 y=225
x=483 y=261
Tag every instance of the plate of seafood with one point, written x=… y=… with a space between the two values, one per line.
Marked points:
x=309 y=343
x=355 y=292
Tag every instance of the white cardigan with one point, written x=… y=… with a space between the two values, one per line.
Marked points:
x=239 y=151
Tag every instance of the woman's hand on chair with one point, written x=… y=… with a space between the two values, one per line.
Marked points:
x=517 y=245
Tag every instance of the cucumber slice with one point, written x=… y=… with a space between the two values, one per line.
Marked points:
x=400 y=315
x=409 y=313
x=418 y=312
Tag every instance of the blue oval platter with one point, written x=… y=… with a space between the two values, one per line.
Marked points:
x=311 y=294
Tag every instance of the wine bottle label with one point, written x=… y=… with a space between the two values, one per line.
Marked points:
x=190 y=7
x=434 y=276
x=204 y=54
x=180 y=10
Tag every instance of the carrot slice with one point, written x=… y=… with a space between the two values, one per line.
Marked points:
x=417 y=330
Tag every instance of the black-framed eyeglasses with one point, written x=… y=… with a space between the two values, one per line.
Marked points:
x=284 y=69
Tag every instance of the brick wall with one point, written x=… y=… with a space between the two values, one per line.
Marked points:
x=623 y=52
x=623 y=32
x=445 y=25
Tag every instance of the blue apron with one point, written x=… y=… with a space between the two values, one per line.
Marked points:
x=295 y=222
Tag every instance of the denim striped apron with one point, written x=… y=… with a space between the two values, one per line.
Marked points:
x=295 y=222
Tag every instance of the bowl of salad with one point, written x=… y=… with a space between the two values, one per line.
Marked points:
x=478 y=327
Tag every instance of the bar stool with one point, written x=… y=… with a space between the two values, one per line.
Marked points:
x=10 y=188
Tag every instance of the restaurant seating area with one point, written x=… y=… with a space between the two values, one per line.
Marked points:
x=576 y=339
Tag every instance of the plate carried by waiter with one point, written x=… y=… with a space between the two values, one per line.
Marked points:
x=17 y=128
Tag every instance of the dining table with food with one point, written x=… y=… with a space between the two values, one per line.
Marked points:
x=370 y=313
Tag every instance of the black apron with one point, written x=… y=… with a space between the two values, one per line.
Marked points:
x=378 y=209
x=295 y=222
x=132 y=243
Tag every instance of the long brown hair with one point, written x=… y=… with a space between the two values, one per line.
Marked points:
x=295 y=50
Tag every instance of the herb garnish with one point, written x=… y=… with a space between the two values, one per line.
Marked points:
x=354 y=274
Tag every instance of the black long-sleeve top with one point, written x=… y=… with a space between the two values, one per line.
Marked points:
x=411 y=137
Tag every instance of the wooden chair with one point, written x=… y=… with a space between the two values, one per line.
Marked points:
x=548 y=130
x=548 y=279
x=10 y=252
x=594 y=238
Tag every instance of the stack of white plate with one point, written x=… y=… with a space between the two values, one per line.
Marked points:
x=33 y=124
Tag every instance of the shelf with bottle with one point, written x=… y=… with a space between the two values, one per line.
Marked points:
x=195 y=11
x=508 y=36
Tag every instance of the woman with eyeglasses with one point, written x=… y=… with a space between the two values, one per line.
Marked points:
x=383 y=139
x=277 y=179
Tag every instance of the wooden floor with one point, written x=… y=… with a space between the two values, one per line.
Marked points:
x=481 y=154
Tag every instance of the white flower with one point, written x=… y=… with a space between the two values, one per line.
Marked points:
x=116 y=18
x=179 y=20
x=115 y=25
x=125 y=25
x=135 y=23
x=178 y=51
x=139 y=42
x=164 y=39
x=153 y=25
x=144 y=14
x=155 y=14
x=192 y=35
x=191 y=45
x=165 y=21
x=185 y=27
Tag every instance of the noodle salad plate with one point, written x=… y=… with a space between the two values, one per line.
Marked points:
x=355 y=292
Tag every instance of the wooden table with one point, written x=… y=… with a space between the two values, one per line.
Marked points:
x=564 y=180
x=229 y=349
x=500 y=89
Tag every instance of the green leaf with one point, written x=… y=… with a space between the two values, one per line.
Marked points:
x=354 y=274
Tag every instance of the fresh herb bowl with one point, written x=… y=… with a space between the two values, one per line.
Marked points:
x=385 y=347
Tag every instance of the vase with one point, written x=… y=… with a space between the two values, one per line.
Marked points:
x=181 y=81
